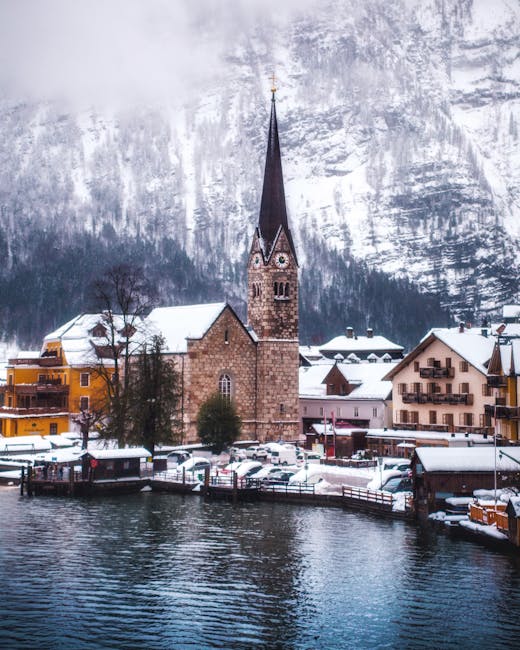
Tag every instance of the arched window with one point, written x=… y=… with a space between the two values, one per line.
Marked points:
x=276 y=289
x=224 y=386
x=286 y=290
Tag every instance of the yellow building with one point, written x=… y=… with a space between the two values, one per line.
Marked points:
x=503 y=378
x=46 y=390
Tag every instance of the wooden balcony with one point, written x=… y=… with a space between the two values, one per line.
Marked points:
x=435 y=427
x=502 y=412
x=482 y=431
x=44 y=362
x=496 y=381
x=41 y=410
x=415 y=398
x=38 y=389
x=436 y=373
x=438 y=398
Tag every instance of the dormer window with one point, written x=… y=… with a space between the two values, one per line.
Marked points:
x=98 y=331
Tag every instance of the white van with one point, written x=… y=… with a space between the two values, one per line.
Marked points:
x=283 y=454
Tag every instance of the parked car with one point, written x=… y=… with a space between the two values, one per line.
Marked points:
x=247 y=468
x=256 y=452
x=280 y=477
x=283 y=454
x=398 y=484
x=309 y=457
x=236 y=453
x=177 y=457
x=195 y=464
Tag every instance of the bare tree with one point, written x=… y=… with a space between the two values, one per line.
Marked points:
x=124 y=297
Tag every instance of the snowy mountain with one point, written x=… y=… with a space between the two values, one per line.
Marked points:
x=399 y=133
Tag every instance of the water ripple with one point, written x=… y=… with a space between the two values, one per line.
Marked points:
x=156 y=571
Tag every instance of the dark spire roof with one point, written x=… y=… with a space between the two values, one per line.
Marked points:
x=273 y=212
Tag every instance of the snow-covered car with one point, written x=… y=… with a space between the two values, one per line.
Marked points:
x=175 y=458
x=256 y=452
x=236 y=454
x=248 y=468
x=195 y=464
x=398 y=484
x=281 y=477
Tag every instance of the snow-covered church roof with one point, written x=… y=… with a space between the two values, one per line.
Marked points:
x=177 y=324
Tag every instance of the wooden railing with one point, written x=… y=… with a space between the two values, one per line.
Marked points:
x=486 y=515
x=364 y=494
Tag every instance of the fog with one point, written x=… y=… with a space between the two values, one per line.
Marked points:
x=124 y=51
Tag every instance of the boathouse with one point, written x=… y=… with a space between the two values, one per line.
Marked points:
x=442 y=472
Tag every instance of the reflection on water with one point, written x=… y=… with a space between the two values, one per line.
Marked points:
x=165 y=571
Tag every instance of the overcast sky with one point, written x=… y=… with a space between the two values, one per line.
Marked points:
x=118 y=51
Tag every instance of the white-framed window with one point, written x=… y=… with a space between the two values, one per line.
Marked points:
x=83 y=403
x=321 y=410
x=224 y=385
x=374 y=412
x=84 y=379
x=356 y=412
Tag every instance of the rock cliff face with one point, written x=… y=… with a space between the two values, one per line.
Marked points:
x=399 y=133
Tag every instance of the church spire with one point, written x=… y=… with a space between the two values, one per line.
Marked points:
x=273 y=213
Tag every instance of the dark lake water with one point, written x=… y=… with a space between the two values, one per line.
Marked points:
x=165 y=571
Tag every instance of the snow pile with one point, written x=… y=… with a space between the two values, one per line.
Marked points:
x=490 y=531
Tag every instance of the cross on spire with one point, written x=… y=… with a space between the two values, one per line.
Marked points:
x=273 y=84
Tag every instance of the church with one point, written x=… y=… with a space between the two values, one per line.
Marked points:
x=254 y=364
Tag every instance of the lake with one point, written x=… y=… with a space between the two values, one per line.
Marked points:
x=158 y=570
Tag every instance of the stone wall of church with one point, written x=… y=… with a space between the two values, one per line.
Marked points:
x=278 y=400
x=225 y=348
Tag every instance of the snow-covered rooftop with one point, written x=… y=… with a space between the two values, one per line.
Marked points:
x=177 y=324
x=77 y=340
x=24 y=443
x=468 y=459
x=346 y=344
x=452 y=438
x=367 y=378
x=372 y=390
x=108 y=454
x=511 y=311
x=469 y=344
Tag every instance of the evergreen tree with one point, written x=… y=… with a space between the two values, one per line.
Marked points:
x=154 y=396
x=218 y=423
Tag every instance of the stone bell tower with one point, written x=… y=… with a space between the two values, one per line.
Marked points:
x=273 y=303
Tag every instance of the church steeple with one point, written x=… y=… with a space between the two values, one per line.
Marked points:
x=273 y=212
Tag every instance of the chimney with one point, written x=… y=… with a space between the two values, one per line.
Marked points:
x=461 y=327
x=370 y=332
x=350 y=332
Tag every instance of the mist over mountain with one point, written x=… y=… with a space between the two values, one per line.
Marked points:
x=144 y=141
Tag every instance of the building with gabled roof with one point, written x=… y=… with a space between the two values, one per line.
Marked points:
x=47 y=389
x=503 y=374
x=346 y=394
x=361 y=347
x=441 y=385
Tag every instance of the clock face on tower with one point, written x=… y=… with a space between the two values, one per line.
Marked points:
x=257 y=261
x=281 y=260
